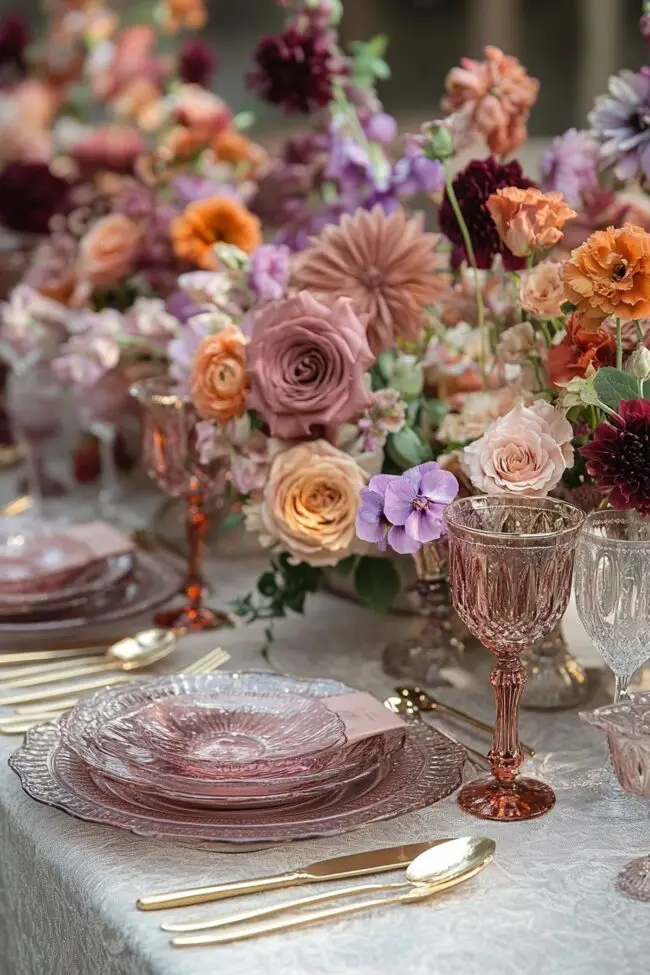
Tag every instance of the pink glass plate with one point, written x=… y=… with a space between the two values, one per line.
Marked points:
x=427 y=769
x=235 y=735
x=154 y=581
x=33 y=557
x=88 y=730
x=93 y=589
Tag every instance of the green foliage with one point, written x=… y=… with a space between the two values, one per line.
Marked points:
x=377 y=582
x=435 y=410
x=282 y=588
x=407 y=449
x=369 y=62
x=613 y=385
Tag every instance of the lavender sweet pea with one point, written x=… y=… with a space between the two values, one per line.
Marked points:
x=406 y=512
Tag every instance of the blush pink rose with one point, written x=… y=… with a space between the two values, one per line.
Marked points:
x=306 y=365
x=524 y=453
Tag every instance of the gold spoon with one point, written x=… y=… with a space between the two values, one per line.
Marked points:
x=443 y=866
x=411 y=712
x=131 y=653
x=425 y=702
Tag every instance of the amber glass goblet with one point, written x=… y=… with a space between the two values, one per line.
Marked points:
x=510 y=570
x=172 y=460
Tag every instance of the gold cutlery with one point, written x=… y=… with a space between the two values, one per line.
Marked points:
x=132 y=653
x=459 y=861
x=16 y=507
x=425 y=702
x=428 y=868
x=27 y=717
x=57 y=651
x=409 y=710
x=337 y=868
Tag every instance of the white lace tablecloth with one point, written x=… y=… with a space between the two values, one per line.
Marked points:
x=546 y=905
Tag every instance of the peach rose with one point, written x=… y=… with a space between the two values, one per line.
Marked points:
x=610 y=275
x=528 y=219
x=107 y=255
x=309 y=505
x=219 y=379
x=541 y=293
x=478 y=409
x=525 y=452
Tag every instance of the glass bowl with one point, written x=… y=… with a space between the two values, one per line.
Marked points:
x=226 y=735
x=627 y=726
x=34 y=558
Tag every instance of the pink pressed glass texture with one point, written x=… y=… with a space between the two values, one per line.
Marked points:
x=627 y=726
x=94 y=588
x=426 y=769
x=223 y=735
x=34 y=557
x=153 y=581
x=102 y=730
x=510 y=569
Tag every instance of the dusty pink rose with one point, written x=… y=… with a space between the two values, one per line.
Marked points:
x=110 y=147
x=542 y=290
x=306 y=364
x=525 y=452
x=107 y=255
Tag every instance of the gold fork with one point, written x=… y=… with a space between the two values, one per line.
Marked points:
x=28 y=717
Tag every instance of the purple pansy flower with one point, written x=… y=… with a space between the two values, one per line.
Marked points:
x=373 y=525
x=620 y=123
x=417 y=501
x=269 y=272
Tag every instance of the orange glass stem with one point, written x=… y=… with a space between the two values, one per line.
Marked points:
x=196 y=526
x=507 y=679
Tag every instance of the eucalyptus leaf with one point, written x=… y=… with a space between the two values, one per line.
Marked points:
x=407 y=449
x=377 y=583
x=612 y=385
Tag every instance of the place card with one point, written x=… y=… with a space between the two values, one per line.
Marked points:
x=363 y=715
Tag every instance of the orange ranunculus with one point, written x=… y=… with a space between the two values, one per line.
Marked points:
x=107 y=255
x=610 y=275
x=528 y=219
x=212 y=221
x=184 y=14
x=220 y=384
x=580 y=348
x=233 y=147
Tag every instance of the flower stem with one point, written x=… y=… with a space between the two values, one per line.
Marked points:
x=639 y=331
x=471 y=259
x=619 y=344
x=546 y=333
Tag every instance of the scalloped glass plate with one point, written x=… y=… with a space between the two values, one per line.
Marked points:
x=89 y=731
x=223 y=736
x=154 y=580
x=428 y=768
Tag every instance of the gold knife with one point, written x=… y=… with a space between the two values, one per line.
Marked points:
x=337 y=868
x=50 y=693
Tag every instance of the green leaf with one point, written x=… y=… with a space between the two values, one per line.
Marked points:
x=233 y=520
x=345 y=566
x=567 y=307
x=386 y=365
x=267 y=585
x=407 y=449
x=646 y=389
x=377 y=583
x=436 y=411
x=613 y=385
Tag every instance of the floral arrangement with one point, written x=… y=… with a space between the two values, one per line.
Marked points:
x=356 y=368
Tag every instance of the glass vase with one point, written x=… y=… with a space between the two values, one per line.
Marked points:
x=555 y=680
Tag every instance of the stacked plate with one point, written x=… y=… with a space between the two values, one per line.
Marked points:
x=62 y=578
x=233 y=759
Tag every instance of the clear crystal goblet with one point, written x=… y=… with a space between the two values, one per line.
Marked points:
x=510 y=569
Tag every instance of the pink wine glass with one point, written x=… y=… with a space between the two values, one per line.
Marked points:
x=172 y=460
x=510 y=570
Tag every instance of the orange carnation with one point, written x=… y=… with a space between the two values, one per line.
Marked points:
x=610 y=275
x=219 y=379
x=233 y=147
x=184 y=14
x=528 y=219
x=213 y=221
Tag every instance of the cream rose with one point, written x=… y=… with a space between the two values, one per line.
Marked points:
x=542 y=290
x=309 y=505
x=525 y=452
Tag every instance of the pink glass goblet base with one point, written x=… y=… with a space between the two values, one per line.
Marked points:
x=523 y=798
x=634 y=879
x=193 y=619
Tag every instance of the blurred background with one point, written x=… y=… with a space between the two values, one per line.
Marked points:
x=572 y=46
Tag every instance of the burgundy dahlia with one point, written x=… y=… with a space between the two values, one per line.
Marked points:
x=30 y=195
x=295 y=69
x=472 y=187
x=197 y=63
x=618 y=458
x=14 y=39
